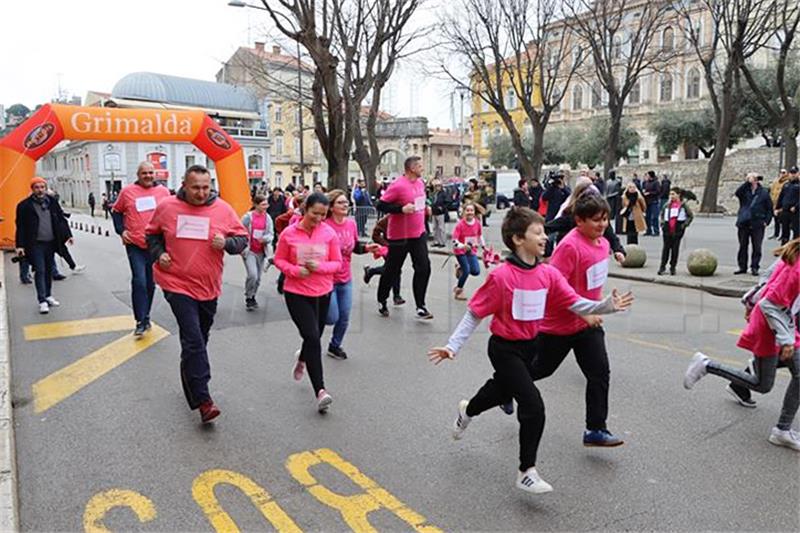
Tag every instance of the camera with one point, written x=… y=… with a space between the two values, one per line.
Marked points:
x=17 y=258
x=554 y=179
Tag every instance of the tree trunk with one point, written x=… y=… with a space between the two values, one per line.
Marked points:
x=538 y=149
x=790 y=146
x=711 y=190
x=612 y=145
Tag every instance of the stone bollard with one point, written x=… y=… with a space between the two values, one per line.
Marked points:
x=635 y=256
x=106 y=233
x=92 y=230
x=702 y=262
x=80 y=226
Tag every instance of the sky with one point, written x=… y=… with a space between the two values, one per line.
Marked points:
x=83 y=45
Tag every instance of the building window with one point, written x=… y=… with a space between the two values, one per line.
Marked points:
x=112 y=162
x=297 y=115
x=693 y=84
x=484 y=106
x=457 y=171
x=666 y=87
x=616 y=51
x=279 y=179
x=279 y=145
x=668 y=39
x=457 y=153
x=636 y=93
x=577 y=98
x=254 y=162
x=297 y=145
x=315 y=148
x=556 y=98
x=189 y=160
x=597 y=98
x=511 y=99
x=278 y=113
x=485 y=137
x=439 y=171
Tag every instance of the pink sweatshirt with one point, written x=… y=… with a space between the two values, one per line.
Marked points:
x=296 y=246
x=467 y=233
x=405 y=191
x=347 y=234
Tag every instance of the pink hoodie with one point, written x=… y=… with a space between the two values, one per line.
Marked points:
x=296 y=246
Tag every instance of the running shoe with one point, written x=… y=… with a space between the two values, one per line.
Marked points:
x=208 y=411
x=383 y=310
x=44 y=308
x=508 y=408
x=337 y=353
x=299 y=367
x=367 y=277
x=602 y=438
x=141 y=327
x=462 y=420
x=424 y=314
x=530 y=481
x=741 y=395
x=52 y=302
x=696 y=370
x=324 y=401
x=79 y=269
x=787 y=438
x=398 y=300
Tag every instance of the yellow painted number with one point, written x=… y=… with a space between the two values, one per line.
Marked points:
x=102 y=503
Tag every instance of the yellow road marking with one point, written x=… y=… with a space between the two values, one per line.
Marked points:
x=75 y=328
x=63 y=383
x=736 y=332
x=203 y=493
x=100 y=504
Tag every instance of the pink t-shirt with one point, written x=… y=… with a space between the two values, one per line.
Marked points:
x=296 y=246
x=258 y=225
x=783 y=288
x=519 y=299
x=405 y=191
x=467 y=233
x=347 y=233
x=196 y=269
x=137 y=205
x=584 y=264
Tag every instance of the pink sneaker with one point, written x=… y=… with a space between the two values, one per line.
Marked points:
x=324 y=401
x=299 y=368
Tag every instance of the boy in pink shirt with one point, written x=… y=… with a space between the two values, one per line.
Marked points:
x=131 y=213
x=405 y=201
x=187 y=235
x=519 y=294
x=582 y=257
x=771 y=335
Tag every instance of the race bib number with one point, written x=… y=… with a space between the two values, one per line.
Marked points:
x=258 y=234
x=192 y=227
x=597 y=274
x=528 y=305
x=673 y=212
x=419 y=203
x=145 y=203
x=311 y=252
x=472 y=241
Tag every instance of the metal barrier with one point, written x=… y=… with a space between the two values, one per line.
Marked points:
x=365 y=217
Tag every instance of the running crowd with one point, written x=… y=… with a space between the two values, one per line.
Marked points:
x=545 y=300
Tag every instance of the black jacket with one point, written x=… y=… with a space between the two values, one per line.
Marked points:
x=535 y=194
x=28 y=224
x=755 y=207
x=666 y=185
x=276 y=207
x=652 y=191
x=521 y=198
x=439 y=203
x=790 y=196
x=555 y=196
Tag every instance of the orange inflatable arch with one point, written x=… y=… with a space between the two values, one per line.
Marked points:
x=53 y=123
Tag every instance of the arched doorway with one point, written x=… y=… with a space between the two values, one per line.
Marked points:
x=391 y=162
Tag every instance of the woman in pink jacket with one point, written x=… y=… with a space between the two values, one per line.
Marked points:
x=308 y=254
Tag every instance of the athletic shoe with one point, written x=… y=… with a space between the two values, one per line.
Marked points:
x=398 y=300
x=141 y=327
x=741 y=395
x=529 y=481
x=337 y=353
x=52 y=302
x=367 y=276
x=324 y=401
x=79 y=269
x=44 y=308
x=26 y=281
x=601 y=438
x=424 y=314
x=208 y=411
x=787 y=438
x=250 y=304
x=508 y=408
x=383 y=310
x=696 y=370
x=299 y=367
x=458 y=294
x=59 y=277
x=462 y=420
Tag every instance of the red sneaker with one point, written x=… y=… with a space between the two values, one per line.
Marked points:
x=208 y=411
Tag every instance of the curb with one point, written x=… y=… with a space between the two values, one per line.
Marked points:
x=9 y=518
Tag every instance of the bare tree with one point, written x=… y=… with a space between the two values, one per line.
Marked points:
x=510 y=46
x=739 y=28
x=619 y=36
x=786 y=112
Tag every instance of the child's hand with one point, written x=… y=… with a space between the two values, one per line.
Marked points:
x=438 y=354
x=621 y=301
x=619 y=257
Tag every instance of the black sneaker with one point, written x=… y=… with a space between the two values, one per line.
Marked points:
x=26 y=281
x=367 y=277
x=424 y=314
x=672 y=271
x=741 y=395
x=383 y=310
x=336 y=353
x=251 y=304
x=662 y=271
x=59 y=277
x=141 y=327
x=398 y=300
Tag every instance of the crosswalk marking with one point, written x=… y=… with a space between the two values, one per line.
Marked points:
x=76 y=328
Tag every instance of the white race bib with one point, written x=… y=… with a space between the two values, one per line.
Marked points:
x=472 y=241
x=309 y=252
x=597 y=274
x=145 y=203
x=419 y=203
x=192 y=227
x=258 y=234
x=528 y=305
x=673 y=212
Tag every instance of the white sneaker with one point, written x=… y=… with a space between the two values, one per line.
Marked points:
x=530 y=481
x=696 y=370
x=324 y=401
x=787 y=438
x=79 y=269
x=462 y=420
x=44 y=308
x=52 y=302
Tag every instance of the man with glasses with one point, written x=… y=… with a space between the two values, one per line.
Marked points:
x=131 y=213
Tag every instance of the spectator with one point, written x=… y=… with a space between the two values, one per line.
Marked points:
x=522 y=194
x=633 y=207
x=665 y=188
x=788 y=201
x=555 y=195
x=774 y=193
x=438 y=209
x=535 y=192
x=92 y=203
x=613 y=196
x=363 y=206
x=599 y=184
x=755 y=212
x=652 y=193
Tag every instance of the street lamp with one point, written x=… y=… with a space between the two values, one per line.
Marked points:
x=240 y=3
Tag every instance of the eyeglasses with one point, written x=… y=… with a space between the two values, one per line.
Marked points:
x=146 y=172
x=341 y=202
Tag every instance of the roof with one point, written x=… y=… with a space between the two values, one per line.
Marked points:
x=278 y=59
x=151 y=87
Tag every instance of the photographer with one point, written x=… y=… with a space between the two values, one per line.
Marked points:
x=755 y=212
x=555 y=194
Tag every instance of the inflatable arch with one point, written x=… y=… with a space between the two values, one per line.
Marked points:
x=53 y=123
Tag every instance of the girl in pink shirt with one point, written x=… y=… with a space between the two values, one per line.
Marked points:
x=259 y=234
x=308 y=254
x=771 y=335
x=518 y=294
x=342 y=296
x=467 y=236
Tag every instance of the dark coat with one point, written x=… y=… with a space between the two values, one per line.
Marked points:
x=440 y=202
x=521 y=198
x=28 y=224
x=555 y=196
x=755 y=207
x=789 y=196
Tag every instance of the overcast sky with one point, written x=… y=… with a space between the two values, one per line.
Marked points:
x=89 y=45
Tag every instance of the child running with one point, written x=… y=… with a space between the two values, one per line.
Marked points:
x=308 y=255
x=772 y=336
x=582 y=257
x=518 y=294
x=259 y=234
x=467 y=236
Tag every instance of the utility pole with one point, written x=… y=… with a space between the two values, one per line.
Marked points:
x=300 y=115
x=461 y=139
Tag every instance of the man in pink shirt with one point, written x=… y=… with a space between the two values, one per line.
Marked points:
x=131 y=213
x=187 y=236
x=405 y=201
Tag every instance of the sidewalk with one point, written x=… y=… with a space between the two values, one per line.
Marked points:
x=9 y=518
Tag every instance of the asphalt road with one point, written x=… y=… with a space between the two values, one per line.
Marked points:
x=692 y=461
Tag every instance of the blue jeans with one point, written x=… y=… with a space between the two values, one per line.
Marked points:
x=41 y=259
x=469 y=266
x=142 y=285
x=652 y=218
x=339 y=311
